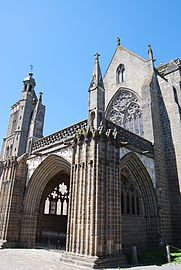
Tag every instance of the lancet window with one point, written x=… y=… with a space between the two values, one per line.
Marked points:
x=56 y=203
x=120 y=74
x=130 y=195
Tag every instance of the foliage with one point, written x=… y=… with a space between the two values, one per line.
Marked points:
x=158 y=257
x=176 y=257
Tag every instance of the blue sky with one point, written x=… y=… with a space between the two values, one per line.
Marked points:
x=60 y=37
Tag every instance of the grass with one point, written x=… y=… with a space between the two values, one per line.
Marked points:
x=159 y=257
x=176 y=257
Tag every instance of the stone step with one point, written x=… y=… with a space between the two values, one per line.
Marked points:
x=92 y=262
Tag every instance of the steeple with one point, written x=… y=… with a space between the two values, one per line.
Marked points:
x=37 y=122
x=96 y=112
x=21 y=124
x=96 y=79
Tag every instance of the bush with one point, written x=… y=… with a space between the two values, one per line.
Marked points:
x=176 y=257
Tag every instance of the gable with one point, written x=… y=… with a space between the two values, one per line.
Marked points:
x=135 y=73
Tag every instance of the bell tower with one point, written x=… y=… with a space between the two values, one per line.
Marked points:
x=20 y=121
x=25 y=126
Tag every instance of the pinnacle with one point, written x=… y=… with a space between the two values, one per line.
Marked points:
x=96 y=79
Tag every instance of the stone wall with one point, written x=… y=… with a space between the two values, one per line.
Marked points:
x=170 y=97
x=11 y=195
x=135 y=73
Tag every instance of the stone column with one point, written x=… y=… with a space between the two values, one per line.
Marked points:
x=11 y=197
x=94 y=223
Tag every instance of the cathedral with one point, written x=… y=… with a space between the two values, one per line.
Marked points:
x=104 y=185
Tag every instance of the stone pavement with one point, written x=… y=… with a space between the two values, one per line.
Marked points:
x=41 y=259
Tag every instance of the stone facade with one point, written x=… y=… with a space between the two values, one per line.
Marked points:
x=105 y=184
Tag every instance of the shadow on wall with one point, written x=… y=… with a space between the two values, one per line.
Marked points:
x=172 y=173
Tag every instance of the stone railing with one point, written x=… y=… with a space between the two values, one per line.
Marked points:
x=130 y=140
x=59 y=136
x=169 y=67
x=125 y=137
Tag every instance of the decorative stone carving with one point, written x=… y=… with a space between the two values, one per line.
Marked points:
x=125 y=111
x=33 y=163
x=66 y=153
x=93 y=82
x=131 y=140
x=59 y=136
x=169 y=67
x=96 y=81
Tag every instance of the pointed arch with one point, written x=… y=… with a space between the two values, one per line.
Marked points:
x=39 y=179
x=120 y=74
x=50 y=166
x=143 y=181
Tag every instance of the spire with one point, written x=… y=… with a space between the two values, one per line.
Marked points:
x=96 y=79
x=37 y=122
x=96 y=96
x=38 y=109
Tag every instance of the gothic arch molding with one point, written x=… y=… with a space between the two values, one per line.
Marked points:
x=50 y=166
x=136 y=168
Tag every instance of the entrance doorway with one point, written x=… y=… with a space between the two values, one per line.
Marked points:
x=53 y=213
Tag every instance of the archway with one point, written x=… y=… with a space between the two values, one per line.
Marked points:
x=139 y=206
x=52 y=172
x=53 y=213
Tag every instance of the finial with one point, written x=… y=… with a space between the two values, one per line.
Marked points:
x=40 y=96
x=97 y=56
x=150 y=53
x=150 y=49
x=31 y=67
x=118 y=41
x=31 y=71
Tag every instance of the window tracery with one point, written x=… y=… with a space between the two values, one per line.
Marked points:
x=125 y=111
x=130 y=195
x=56 y=203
